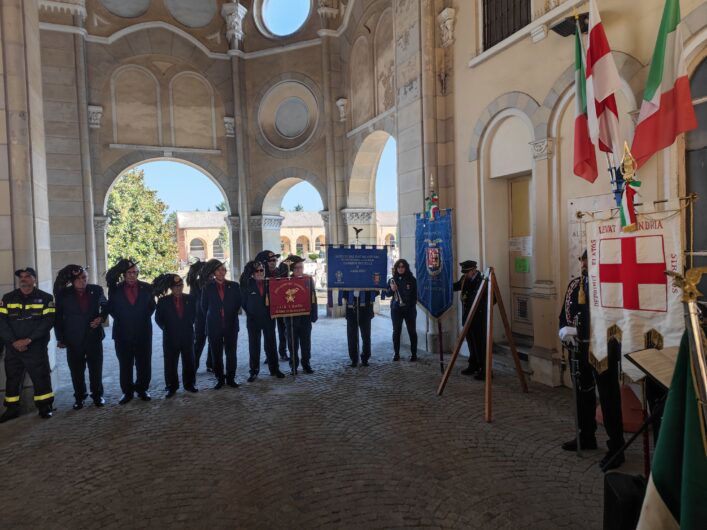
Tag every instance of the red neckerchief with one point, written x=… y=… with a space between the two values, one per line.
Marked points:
x=82 y=297
x=221 y=289
x=179 y=306
x=260 y=284
x=130 y=292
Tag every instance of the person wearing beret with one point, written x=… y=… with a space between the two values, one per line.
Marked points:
x=81 y=311
x=299 y=328
x=468 y=285
x=175 y=316
x=26 y=318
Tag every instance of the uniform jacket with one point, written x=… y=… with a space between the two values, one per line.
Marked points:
x=407 y=289
x=176 y=330
x=72 y=326
x=221 y=316
x=365 y=301
x=133 y=323
x=468 y=289
x=573 y=313
x=254 y=302
x=26 y=317
x=314 y=311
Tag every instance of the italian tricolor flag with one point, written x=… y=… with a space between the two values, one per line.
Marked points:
x=628 y=208
x=585 y=160
x=676 y=494
x=666 y=110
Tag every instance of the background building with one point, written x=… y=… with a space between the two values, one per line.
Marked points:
x=200 y=235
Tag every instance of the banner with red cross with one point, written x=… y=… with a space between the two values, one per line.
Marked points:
x=630 y=294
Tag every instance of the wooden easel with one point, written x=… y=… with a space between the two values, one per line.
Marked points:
x=489 y=286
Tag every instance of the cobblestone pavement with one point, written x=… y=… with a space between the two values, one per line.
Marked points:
x=366 y=447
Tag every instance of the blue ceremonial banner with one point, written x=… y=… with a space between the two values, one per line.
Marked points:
x=433 y=262
x=356 y=268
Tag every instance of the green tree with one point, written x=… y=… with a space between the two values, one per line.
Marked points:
x=298 y=208
x=172 y=224
x=221 y=207
x=140 y=227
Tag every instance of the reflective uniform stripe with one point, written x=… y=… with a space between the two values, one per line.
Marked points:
x=13 y=399
x=44 y=396
x=49 y=310
x=14 y=306
x=3 y=311
x=34 y=306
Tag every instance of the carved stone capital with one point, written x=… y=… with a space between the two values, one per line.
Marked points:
x=329 y=11
x=230 y=125
x=234 y=14
x=72 y=7
x=235 y=223
x=352 y=216
x=265 y=222
x=543 y=149
x=446 y=20
x=95 y=115
x=100 y=223
x=325 y=217
x=343 y=105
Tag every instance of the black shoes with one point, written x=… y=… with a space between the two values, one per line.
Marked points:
x=170 y=393
x=252 y=378
x=588 y=444
x=278 y=374
x=469 y=370
x=354 y=364
x=479 y=376
x=99 y=402
x=364 y=363
x=125 y=399
x=78 y=405
x=209 y=370
x=10 y=414
x=191 y=389
x=219 y=384
x=145 y=396
x=284 y=358
x=396 y=357
x=46 y=412
x=612 y=462
x=307 y=370
x=413 y=358
x=232 y=383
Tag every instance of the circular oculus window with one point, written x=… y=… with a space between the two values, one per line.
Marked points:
x=284 y=17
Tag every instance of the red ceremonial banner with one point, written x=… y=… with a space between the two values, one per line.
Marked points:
x=289 y=297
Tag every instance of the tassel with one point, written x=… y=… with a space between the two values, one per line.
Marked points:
x=581 y=296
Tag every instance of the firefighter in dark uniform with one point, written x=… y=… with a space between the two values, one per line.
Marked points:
x=254 y=295
x=26 y=318
x=299 y=328
x=359 y=320
x=574 y=330
x=175 y=316
x=81 y=310
x=200 y=322
x=221 y=302
x=131 y=305
x=269 y=261
x=469 y=285
x=402 y=287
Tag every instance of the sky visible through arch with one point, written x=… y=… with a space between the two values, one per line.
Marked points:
x=184 y=188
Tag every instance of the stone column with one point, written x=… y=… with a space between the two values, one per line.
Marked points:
x=233 y=223
x=100 y=231
x=24 y=210
x=271 y=232
x=326 y=219
x=544 y=360
x=362 y=218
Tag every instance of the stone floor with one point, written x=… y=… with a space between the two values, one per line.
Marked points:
x=367 y=447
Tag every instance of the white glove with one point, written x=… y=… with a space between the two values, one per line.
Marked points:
x=568 y=334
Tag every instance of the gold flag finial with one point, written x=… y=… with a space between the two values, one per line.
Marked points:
x=628 y=164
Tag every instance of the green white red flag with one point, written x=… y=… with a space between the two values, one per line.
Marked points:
x=602 y=82
x=667 y=109
x=675 y=496
x=628 y=205
x=585 y=160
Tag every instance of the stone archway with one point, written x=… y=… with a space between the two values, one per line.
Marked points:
x=106 y=182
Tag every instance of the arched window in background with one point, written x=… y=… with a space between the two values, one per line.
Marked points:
x=285 y=246
x=218 y=252
x=302 y=246
x=390 y=240
x=197 y=249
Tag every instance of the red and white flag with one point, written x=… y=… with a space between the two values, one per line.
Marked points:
x=602 y=82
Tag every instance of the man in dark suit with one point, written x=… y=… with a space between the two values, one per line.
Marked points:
x=254 y=295
x=299 y=328
x=221 y=301
x=81 y=310
x=175 y=316
x=359 y=313
x=131 y=305
x=269 y=260
x=468 y=285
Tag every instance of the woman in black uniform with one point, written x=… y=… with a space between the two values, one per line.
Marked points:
x=402 y=286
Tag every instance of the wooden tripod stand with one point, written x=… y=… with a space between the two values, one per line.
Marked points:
x=489 y=286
